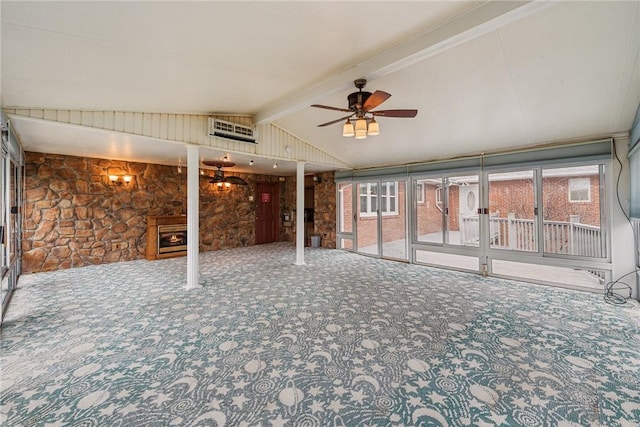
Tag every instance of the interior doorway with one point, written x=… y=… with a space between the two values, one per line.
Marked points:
x=267 y=202
x=309 y=212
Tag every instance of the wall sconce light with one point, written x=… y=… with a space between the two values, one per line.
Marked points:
x=115 y=180
x=251 y=162
x=275 y=165
x=317 y=179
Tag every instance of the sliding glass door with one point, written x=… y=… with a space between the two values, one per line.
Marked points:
x=346 y=216
x=461 y=211
x=381 y=218
x=573 y=211
x=11 y=170
x=367 y=217
x=394 y=219
x=533 y=216
x=447 y=222
x=513 y=211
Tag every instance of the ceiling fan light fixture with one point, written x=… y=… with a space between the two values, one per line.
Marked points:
x=347 y=129
x=374 y=128
x=363 y=106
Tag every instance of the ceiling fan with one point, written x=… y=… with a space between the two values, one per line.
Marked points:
x=361 y=105
x=219 y=177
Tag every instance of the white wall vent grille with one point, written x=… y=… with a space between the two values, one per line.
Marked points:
x=224 y=129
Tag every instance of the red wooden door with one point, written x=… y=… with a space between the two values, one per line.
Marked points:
x=267 y=212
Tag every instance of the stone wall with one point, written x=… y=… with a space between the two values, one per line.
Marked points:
x=325 y=209
x=75 y=217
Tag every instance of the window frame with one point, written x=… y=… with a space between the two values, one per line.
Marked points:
x=388 y=196
x=420 y=194
x=570 y=189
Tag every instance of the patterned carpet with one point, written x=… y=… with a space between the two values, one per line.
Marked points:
x=344 y=341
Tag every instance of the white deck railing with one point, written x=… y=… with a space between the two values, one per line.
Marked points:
x=560 y=237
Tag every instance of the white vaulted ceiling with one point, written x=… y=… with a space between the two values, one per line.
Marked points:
x=484 y=76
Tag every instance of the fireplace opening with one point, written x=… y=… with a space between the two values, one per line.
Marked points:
x=172 y=238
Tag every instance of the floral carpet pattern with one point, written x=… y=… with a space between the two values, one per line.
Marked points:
x=345 y=340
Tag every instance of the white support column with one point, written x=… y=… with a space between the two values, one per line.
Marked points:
x=193 y=215
x=300 y=213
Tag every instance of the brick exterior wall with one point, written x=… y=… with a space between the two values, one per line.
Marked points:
x=429 y=215
x=513 y=196
x=516 y=196
x=557 y=207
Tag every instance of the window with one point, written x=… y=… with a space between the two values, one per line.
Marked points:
x=438 y=195
x=419 y=192
x=579 y=190
x=369 y=199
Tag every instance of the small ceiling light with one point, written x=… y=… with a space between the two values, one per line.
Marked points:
x=347 y=129
x=275 y=165
x=251 y=163
x=373 y=129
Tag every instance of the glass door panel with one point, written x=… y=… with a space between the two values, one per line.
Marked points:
x=345 y=202
x=14 y=209
x=367 y=217
x=461 y=215
x=394 y=219
x=345 y=216
x=429 y=210
x=572 y=211
x=513 y=211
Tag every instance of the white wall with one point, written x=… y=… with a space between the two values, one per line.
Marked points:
x=622 y=242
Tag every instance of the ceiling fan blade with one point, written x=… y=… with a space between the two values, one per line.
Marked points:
x=395 y=113
x=335 y=121
x=218 y=163
x=236 y=180
x=326 y=107
x=376 y=98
